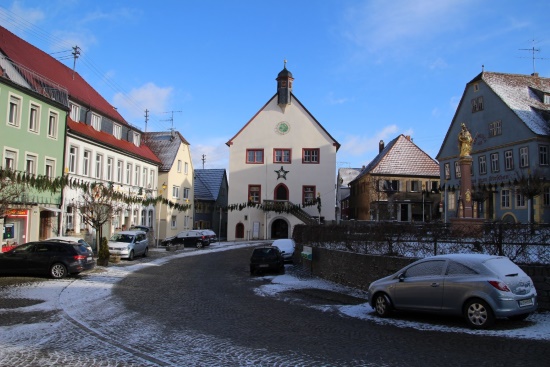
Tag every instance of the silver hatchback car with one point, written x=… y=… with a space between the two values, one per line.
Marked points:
x=479 y=287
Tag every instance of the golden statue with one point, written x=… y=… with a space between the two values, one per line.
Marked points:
x=465 y=141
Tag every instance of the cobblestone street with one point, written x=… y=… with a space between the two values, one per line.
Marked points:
x=202 y=308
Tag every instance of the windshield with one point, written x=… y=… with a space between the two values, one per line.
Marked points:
x=120 y=237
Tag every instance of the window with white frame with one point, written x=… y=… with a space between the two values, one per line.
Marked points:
x=495 y=128
x=34 y=118
x=99 y=166
x=151 y=178
x=520 y=199
x=73 y=158
x=52 y=125
x=524 y=157
x=495 y=166
x=14 y=111
x=49 y=168
x=175 y=191
x=451 y=200
x=144 y=177
x=482 y=164
x=136 y=175
x=96 y=122
x=308 y=194
x=508 y=160
x=281 y=155
x=179 y=165
x=415 y=186
x=110 y=161
x=186 y=169
x=310 y=155
x=458 y=174
x=388 y=185
x=543 y=155
x=75 y=112
x=505 y=199
x=10 y=159
x=128 y=173
x=143 y=217
x=186 y=193
x=30 y=164
x=137 y=139
x=119 y=171
x=117 y=131
x=174 y=222
x=150 y=218
x=86 y=162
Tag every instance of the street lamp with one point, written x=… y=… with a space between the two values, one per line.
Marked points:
x=160 y=207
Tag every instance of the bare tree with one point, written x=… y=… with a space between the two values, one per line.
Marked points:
x=530 y=186
x=98 y=204
x=10 y=193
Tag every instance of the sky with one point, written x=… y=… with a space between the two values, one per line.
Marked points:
x=367 y=70
x=80 y=302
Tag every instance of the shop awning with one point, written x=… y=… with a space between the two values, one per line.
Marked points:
x=56 y=210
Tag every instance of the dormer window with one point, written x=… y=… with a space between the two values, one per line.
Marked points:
x=137 y=139
x=75 y=112
x=117 y=131
x=96 y=122
x=547 y=99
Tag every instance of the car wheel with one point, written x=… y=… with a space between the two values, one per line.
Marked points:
x=382 y=305
x=131 y=255
x=146 y=252
x=282 y=270
x=58 y=271
x=478 y=314
x=199 y=244
x=521 y=317
x=252 y=271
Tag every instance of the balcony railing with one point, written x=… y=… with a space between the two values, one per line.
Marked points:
x=29 y=79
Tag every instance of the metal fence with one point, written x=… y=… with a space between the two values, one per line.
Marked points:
x=523 y=244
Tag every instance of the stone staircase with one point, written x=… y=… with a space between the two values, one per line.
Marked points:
x=288 y=207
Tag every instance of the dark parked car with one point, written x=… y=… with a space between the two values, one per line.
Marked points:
x=479 y=287
x=190 y=238
x=212 y=236
x=267 y=258
x=54 y=258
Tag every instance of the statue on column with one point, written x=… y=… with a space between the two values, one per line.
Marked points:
x=465 y=141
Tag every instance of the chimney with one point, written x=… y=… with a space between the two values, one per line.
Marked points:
x=381 y=146
x=536 y=75
x=408 y=137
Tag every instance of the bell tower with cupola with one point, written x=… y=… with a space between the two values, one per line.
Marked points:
x=284 y=88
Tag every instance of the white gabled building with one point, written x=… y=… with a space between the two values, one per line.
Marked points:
x=282 y=168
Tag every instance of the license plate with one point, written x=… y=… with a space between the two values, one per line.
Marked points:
x=526 y=302
x=89 y=258
x=263 y=265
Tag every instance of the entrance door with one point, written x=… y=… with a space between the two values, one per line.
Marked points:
x=279 y=229
x=239 y=230
x=281 y=192
x=404 y=212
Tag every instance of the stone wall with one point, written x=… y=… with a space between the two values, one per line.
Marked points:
x=358 y=270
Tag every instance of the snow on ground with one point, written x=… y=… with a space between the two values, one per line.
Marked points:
x=72 y=295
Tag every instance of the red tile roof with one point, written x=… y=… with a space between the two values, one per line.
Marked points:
x=87 y=131
x=79 y=90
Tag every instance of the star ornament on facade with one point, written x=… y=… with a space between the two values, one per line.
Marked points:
x=281 y=173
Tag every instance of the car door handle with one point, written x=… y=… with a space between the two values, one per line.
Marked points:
x=435 y=284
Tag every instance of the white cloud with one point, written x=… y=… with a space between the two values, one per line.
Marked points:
x=438 y=63
x=355 y=145
x=216 y=153
x=149 y=96
x=379 y=25
x=335 y=101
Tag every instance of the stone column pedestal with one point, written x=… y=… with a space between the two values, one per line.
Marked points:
x=466 y=187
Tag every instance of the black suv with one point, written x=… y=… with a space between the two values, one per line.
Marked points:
x=192 y=238
x=266 y=258
x=54 y=258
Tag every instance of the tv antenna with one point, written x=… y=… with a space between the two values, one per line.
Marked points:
x=171 y=119
x=533 y=50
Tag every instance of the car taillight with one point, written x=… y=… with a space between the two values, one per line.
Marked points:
x=80 y=257
x=499 y=285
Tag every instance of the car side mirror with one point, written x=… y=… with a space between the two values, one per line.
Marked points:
x=401 y=277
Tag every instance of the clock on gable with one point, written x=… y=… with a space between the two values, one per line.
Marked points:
x=282 y=127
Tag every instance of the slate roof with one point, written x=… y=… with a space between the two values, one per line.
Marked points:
x=401 y=157
x=208 y=183
x=165 y=145
x=347 y=175
x=79 y=90
x=523 y=94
